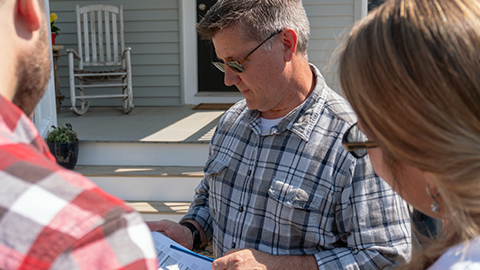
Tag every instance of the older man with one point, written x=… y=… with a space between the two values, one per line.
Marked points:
x=279 y=190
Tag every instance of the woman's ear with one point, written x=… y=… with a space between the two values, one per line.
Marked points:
x=289 y=41
x=431 y=182
x=29 y=14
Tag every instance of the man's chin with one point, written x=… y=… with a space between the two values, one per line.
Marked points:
x=251 y=105
x=27 y=101
x=33 y=73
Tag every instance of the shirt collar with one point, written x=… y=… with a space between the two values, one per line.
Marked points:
x=16 y=127
x=303 y=118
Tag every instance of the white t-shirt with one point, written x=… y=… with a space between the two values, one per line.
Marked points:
x=465 y=256
x=269 y=123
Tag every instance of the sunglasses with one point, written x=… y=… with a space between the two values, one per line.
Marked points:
x=237 y=65
x=356 y=142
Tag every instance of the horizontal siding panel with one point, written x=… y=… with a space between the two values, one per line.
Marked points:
x=328 y=33
x=322 y=45
x=159 y=96
x=157 y=81
x=142 y=70
x=163 y=101
x=168 y=59
x=325 y=2
x=164 y=91
x=156 y=70
x=150 y=15
x=148 y=81
x=147 y=15
x=157 y=37
x=147 y=28
x=321 y=56
x=141 y=91
x=330 y=10
x=155 y=48
x=155 y=26
x=325 y=21
x=127 y=4
x=138 y=60
x=137 y=102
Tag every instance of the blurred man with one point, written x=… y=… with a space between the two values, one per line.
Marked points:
x=50 y=217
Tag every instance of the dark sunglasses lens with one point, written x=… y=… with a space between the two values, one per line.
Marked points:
x=355 y=135
x=219 y=65
x=236 y=66
x=359 y=153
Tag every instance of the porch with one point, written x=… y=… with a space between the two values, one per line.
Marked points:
x=153 y=157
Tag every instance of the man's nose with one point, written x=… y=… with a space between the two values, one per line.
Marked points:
x=231 y=77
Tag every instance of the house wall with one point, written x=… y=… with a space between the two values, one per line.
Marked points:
x=160 y=31
x=330 y=22
x=152 y=31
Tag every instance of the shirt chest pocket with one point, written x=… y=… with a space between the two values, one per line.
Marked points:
x=298 y=196
x=297 y=207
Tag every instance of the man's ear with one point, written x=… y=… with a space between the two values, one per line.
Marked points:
x=289 y=40
x=29 y=12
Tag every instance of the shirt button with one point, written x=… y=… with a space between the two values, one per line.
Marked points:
x=240 y=209
x=233 y=245
x=249 y=172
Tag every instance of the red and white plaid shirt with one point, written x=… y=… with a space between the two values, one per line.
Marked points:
x=53 y=218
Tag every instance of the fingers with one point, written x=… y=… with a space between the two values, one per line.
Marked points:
x=240 y=259
x=233 y=259
x=221 y=263
x=161 y=225
x=174 y=231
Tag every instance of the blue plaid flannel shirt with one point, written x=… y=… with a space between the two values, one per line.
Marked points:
x=294 y=190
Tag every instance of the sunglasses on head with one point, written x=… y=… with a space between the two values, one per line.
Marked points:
x=356 y=142
x=237 y=65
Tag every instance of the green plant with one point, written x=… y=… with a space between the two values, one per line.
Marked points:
x=53 y=27
x=62 y=134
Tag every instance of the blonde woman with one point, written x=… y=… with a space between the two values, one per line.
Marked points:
x=411 y=71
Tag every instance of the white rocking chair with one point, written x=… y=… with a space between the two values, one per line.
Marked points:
x=98 y=29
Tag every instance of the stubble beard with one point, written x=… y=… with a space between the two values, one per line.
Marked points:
x=33 y=73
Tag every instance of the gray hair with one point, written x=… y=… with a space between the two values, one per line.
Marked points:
x=258 y=19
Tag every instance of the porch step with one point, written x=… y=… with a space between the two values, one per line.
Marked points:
x=125 y=153
x=137 y=170
x=146 y=183
x=157 y=192
x=157 y=210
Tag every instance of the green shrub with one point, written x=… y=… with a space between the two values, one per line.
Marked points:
x=62 y=134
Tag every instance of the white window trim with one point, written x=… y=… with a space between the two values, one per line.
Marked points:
x=45 y=112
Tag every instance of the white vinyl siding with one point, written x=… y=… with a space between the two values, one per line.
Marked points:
x=152 y=31
x=330 y=22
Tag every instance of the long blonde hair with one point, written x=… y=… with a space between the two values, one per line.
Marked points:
x=411 y=70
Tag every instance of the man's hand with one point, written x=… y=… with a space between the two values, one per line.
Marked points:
x=173 y=230
x=251 y=259
x=242 y=259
